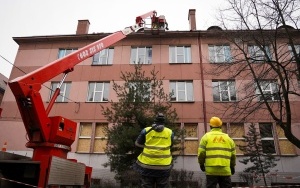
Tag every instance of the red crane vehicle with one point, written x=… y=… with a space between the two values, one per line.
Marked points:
x=51 y=137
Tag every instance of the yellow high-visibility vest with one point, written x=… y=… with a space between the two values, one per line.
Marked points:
x=219 y=149
x=157 y=151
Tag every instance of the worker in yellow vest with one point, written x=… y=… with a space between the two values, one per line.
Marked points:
x=155 y=162
x=217 y=156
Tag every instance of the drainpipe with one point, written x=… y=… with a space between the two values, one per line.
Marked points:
x=202 y=83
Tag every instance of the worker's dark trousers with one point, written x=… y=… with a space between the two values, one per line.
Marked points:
x=223 y=181
x=154 y=182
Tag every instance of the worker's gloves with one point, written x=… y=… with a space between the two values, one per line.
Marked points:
x=202 y=167
x=232 y=170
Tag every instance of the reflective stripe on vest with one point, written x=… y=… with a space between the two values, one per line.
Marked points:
x=157 y=148
x=218 y=149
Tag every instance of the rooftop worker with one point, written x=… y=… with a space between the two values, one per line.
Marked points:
x=155 y=162
x=217 y=156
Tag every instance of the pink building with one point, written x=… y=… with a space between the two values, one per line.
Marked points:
x=183 y=58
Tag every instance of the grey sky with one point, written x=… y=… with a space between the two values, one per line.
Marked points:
x=22 y=18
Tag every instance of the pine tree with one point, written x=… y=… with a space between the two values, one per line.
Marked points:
x=140 y=98
x=262 y=162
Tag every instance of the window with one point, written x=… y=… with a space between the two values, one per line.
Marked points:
x=259 y=55
x=236 y=132
x=104 y=57
x=224 y=91
x=269 y=90
x=297 y=48
x=92 y=137
x=267 y=138
x=141 y=55
x=62 y=52
x=191 y=141
x=181 y=91
x=100 y=140
x=141 y=91
x=85 y=136
x=219 y=53
x=285 y=146
x=98 y=91
x=180 y=54
x=64 y=91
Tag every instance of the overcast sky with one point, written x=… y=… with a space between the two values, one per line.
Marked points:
x=24 y=18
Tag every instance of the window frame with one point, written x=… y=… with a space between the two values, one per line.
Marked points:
x=104 y=92
x=266 y=139
x=62 y=52
x=174 y=54
x=257 y=55
x=216 y=57
x=104 y=57
x=135 y=55
x=272 y=89
x=297 y=47
x=218 y=88
x=64 y=91
x=133 y=88
x=175 y=91
x=92 y=138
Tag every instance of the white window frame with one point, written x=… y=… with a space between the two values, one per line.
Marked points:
x=219 y=53
x=223 y=88
x=182 y=88
x=180 y=54
x=257 y=55
x=147 y=96
x=297 y=47
x=62 y=52
x=141 y=55
x=269 y=87
x=104 y=57
x=64 y=91
x=268 y=138
x=95 y=88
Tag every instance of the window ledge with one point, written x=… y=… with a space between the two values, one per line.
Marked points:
x=182 y=101
x=96 y=101
x=101 y=65
x=179 y=63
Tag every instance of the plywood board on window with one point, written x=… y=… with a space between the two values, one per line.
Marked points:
x=99 y=145
x=286 y=147
x=280 y=132
x=101 y=129
x=191 y=147
x=236 y=130
x=86 y=129
x=191 y=130
x=83 y=145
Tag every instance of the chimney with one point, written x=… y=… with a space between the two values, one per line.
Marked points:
x=83 y=27
x=192 y=19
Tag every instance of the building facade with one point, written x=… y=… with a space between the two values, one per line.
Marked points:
x=184 y=60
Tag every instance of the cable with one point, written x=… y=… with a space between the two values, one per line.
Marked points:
x=42 y=84
x=12 y=64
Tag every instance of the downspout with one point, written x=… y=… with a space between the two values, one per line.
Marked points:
x=202 y=83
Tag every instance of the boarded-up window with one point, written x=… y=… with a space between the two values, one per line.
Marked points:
x=191 y=141
x=92 y=137
x=100 y=138
x=285 y=146
x=85 y=135
x=236 y=132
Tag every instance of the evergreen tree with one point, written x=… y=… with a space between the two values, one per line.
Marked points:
x=262 y=161
x=140 y=98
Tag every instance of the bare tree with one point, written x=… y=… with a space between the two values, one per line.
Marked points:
x=264 y=39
